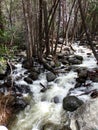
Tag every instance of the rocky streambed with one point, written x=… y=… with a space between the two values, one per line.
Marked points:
x=38 y=99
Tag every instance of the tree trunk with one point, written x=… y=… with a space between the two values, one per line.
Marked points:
x=85 y=28
x=27 y=10
x=1 y=19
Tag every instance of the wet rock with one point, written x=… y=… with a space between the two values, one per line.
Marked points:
x=50 y=76
x=71 y=103
x=9 y=81
x=56 y=99
x=26 y=64
x=65 y=62
x=43 y=90
x=80 y=81
x=50 y=126
x=66 y=128
x=87 y=114
x=28 y=80
x=60 y=55
x=36 y=69
x=3 y=88
x=33 y=75
x=75 y=59
x=89 y=54
x=93 y=75
x=82 y=76
x=79 y=57
x=18 y=78
x=52 y=63
x=19 y=104
x=82 y=72
x=77 y=85
x=94 y=94
x=21 y=88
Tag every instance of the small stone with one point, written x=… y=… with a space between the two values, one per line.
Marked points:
x=56 y=99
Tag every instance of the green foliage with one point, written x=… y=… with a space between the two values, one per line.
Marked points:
x=7 y=52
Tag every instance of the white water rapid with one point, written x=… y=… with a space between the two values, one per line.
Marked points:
x=42 y=110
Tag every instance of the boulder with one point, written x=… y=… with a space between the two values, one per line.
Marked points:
x=28 y=80
x=73 y=60
x=19 y=104
x=93 y=75
x=71 y=103
x=79 y=57
x=76 y=59
x=26 y=64
x=21 y=89
x=50 y=76
x=86 y=117
x=82 y=72
x=82 y=76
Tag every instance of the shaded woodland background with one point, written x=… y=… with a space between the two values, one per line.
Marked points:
x=40 y=25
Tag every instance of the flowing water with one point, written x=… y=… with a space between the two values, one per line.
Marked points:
x=44 y=113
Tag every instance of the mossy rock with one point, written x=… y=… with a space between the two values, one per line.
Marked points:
x=3 y=66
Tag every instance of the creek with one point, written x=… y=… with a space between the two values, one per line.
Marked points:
x=45 y=111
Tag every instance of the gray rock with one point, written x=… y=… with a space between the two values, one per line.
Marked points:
x=76 y=59
x=82 y=72
x=19 y=104
x=73 y=60
x=56 y=99
x=79 y=57
x=33 y=75
x=50 y=76
x=71 y=103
